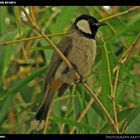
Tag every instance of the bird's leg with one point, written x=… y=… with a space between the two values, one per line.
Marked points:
x=74 y=69
x=81 y=79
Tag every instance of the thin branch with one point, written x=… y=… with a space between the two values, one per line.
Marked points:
x=113 y=98
x=108 y=63
x=30 y=38
x=70 y=66
x=123 y=59
x=129 y=50
x=46 y=123
x=47 y=39
x=16 y=9
x=127 y=53
x=122 y=13
x=111 y=85
x=111 y=121
x=66 y=114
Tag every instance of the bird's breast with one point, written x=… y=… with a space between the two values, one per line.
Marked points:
x=83 y=54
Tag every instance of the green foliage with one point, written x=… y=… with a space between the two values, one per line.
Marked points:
x=23 y=67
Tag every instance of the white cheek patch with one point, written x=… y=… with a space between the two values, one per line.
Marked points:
x=83 y=25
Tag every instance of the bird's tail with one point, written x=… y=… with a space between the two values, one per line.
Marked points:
x=39 y=122
x=45 y=106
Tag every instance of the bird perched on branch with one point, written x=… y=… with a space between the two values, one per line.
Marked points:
x=79 y=47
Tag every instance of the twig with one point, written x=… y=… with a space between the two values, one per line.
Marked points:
x=108 y=63
x=129 y=50
x=70 y=66
x=47 y=39
x=122 y=61
x=32 y=13
x=119 y=14
x=111 y=121
x=16 y=9
x=66 y=114
x=111 y=86
x=113 y=98
x=46 y=123
x=124 y=126
x=127 y=53
x=30 y=38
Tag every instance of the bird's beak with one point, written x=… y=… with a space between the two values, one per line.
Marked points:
x=101 y=24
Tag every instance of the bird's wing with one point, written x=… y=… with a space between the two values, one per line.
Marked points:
x=64 y=46
x=50 y=83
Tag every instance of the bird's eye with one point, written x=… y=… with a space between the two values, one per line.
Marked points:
x=92 y=22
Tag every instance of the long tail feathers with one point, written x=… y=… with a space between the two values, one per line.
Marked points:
x=45 y=106
x=39 y=122
x=42 y=113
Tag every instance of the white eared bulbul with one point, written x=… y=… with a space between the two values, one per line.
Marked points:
x=79 y=47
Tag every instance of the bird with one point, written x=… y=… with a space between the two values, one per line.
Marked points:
x=79 y=47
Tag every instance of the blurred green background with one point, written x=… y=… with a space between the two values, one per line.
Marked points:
x=23 y=67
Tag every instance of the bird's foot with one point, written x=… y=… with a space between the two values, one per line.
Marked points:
x=80 y=80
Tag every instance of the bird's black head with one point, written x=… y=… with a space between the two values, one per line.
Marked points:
x=87 y=25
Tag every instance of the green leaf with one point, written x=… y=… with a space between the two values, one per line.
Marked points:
x=134 y=126
x=71 y=123
x=4 y=14
x=136 y=57
x=5 y=60
x=123 y=114
x=18 y=20
x=63 y=19
x=40 y=48
x=5 y=52
x=104 y=129
x=132 y=115
x=13 y=90
x=134 y=22
x=105 y=78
